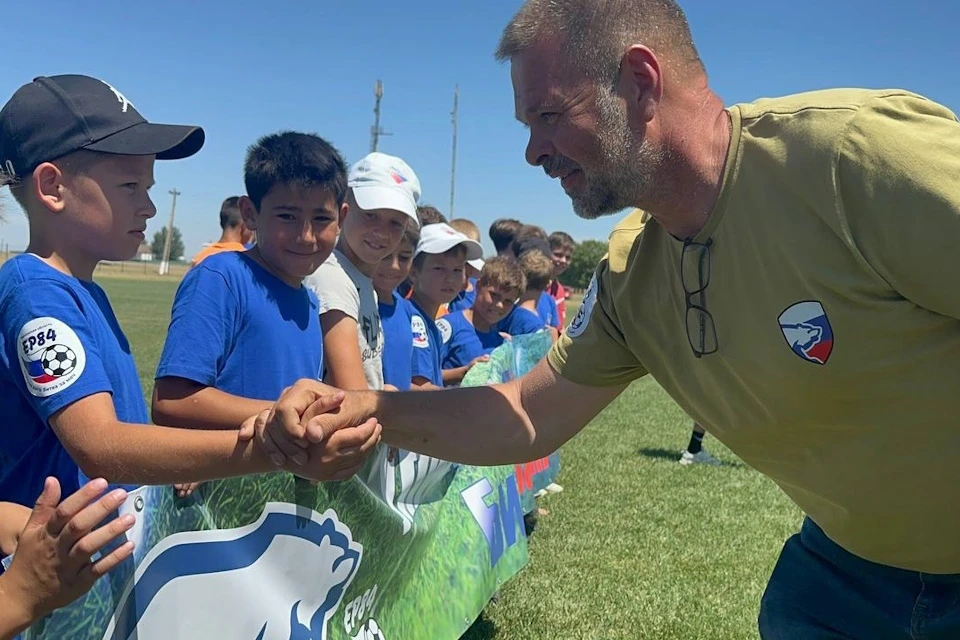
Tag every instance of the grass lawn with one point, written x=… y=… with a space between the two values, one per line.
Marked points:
x=635 y=547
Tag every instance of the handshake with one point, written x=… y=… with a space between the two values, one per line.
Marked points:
x=315 y=431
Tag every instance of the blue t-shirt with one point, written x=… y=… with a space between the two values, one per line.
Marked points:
x=59 y=343
x=238 y=328
x=397 y=342
x=462 y=343
x=427 y=343
x=520 y=322
x=464 y=299
x=547 y=309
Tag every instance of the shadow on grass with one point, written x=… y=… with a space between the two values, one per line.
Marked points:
x=674 y=456
x=482 y=629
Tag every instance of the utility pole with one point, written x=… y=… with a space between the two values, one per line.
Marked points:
x=453 y=162
x=165 y=262
x=375 y=130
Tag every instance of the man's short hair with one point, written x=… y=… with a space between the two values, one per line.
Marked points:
x=295 y=159
x=595 y=35
x=230 y=217
x=466 y=227
x=502 y=232
x=538 y=268
x=531 y=238
x=562 y=240
x=429 y=214
x=505 y=273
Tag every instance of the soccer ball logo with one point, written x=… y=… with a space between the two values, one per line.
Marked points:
x=58 y=361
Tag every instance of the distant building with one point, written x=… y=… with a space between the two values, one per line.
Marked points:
x=145 y=252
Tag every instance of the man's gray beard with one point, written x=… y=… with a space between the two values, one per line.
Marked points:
x=625 y=178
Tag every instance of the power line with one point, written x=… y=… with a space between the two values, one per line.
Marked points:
x=453 y=161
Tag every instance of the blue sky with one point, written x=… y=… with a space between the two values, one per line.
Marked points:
x=251 y=68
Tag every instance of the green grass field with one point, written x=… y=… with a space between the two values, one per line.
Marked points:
x=635 y=547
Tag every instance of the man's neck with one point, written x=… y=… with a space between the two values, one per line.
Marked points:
x=699 y=141
x=231 y=236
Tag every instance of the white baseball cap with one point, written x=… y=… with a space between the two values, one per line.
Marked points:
x=476 y=264
x=380 y=181
x=440 y=238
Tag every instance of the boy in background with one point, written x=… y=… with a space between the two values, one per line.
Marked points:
x=525 y=318
x=79 y=159
x=437 y=277
x=472 y=333
x=502 y=232
x=235 y=236
x=465 y=298
x=381 y=203
x=243 y=327
x=395 y=312
x=562 y=247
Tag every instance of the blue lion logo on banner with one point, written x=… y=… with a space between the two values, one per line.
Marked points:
x=280 y=578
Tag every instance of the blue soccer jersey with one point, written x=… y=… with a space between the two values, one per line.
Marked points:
x=397 y=342
x=427 y=345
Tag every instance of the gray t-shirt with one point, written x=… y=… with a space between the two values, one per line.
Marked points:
x=341 y=287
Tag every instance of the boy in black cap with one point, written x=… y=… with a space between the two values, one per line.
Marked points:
x=79 y=159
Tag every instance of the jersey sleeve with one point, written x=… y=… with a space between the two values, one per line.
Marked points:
x=593 y=351
x=202 y=327
x=898 y=178
x=335 y=290
x=554 y=313
x=49 y=347
x=424 y=357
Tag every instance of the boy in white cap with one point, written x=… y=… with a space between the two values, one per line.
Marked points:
x=437 y=277
x=381 y=201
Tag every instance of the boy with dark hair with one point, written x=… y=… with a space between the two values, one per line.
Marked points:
x=468 y=294
x=472 y=333
x=429 y=214
x=437 y=276
x=502 y=233
x=533 y=238
x=235 y=235
x=81 y=158
x=562 y=247
x=525 y=317
x=395 y=311
x=243 y=327
x=381 y=203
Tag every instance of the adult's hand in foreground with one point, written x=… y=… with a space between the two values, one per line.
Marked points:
x=54 y=565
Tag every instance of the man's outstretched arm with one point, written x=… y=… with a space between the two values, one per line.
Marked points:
x=506 y=423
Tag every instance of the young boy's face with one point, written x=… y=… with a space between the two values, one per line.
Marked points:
x=561 y=260
x=107 y=205
x=440 y=278
x=493 y=304
x=296 y=228
x=393 y=269
x=372 y=234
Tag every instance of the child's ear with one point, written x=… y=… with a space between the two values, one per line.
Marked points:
x=49 y=184
x=248 y=212
x=344 y=210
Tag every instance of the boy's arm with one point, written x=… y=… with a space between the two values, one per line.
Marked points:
x=341 y=352
x=185 y=403
x=13 y=518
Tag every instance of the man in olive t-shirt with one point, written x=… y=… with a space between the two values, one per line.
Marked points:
x=787 y=277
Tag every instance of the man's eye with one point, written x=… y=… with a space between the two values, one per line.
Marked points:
x=549 y=117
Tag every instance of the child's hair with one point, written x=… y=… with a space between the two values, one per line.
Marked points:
x=503 y=272
x=467 y=228
x=411 y=235
x=502 y=232
x=292 y=158
x=531 y=237
x=429 y=214
x=561 y=240
x=230 y=217
x=538 y=269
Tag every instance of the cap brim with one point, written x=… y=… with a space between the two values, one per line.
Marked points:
x=476 y=264
x=442 y=245
x=166 y=141
x=378 y=197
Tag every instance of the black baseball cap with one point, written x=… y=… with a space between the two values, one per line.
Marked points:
x=53 y=116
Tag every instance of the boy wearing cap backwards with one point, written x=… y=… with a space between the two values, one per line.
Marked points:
x=473 y=333
x=79 y=159
x=437 y=276
x=243 y=327
x=381 y=202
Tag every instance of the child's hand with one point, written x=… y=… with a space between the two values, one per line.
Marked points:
x=185 y=490
x=53 y=565
x=483 y=358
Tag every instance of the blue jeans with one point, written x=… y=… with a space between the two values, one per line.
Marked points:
x=819 y=591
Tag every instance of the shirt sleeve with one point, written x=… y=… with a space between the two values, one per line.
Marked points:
x=593 y=350
x=898 y=178
x=50 y=348
x=423 y=361
x=202 y=328
x=554 y=313
x=335 y=290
